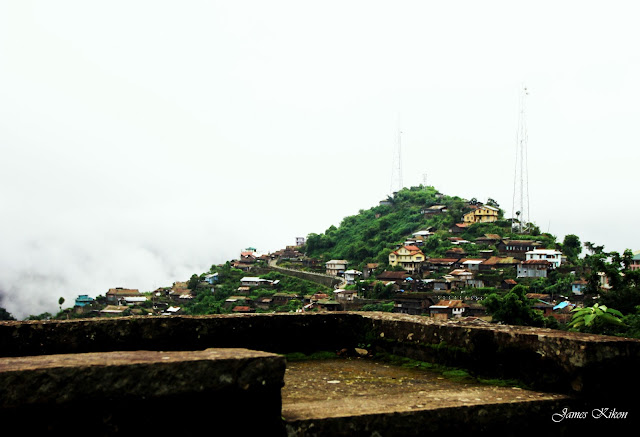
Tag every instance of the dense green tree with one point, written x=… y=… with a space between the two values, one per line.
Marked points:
x=432 y=244
x=205 y=304
x=43 y=316
x=294 y=304
x=386 y=307
x=624 y=284
x=558 y=287
x=193 y=282
x=571 y=247
x=513 y=308
x=5 y=315
x=632 y=323
x=593 y=248
x=381 y=291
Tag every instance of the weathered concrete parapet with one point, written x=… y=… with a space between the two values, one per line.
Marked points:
x=277 y=332
x=543 y=358
x=546 y=359
x=60 y=379
x=128 y=391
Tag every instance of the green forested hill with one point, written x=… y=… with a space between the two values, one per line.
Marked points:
x=371 y=234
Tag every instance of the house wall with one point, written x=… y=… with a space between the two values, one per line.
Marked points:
x=554 y=258
x=406 y=260
x=481 y=215
x=457 y=312
x=531 y=272
x=335 y=269
x=577 y=289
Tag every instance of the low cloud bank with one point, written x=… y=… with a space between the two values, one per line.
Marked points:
x=66 y=258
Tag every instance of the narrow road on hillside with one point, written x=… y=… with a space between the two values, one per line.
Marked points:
x=274 y=264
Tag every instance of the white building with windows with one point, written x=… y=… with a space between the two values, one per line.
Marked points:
x=553 y=256
x=252 y=281
x=336 y=267
x=351 y=276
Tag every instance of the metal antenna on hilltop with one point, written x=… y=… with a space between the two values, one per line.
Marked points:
x=396 y=169
x=521 y=174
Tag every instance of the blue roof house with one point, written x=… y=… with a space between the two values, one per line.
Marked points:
x=84 y=300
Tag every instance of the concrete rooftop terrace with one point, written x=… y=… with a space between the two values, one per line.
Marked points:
x=348 y=396
x=124 y=375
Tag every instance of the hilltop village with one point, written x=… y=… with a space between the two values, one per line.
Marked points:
x=418 y=252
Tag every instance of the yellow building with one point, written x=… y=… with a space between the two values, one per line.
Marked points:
x=409 y=258
x=481 y=215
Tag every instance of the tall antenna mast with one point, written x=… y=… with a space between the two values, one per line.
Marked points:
x=520 y=204
x=396 y=170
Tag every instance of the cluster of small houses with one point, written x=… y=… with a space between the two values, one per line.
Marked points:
x=456 y=271
x=434 y=296
x=126 y=301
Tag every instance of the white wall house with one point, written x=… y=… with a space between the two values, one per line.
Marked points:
x=351 y=275
x=336 y=267
x=252 y=281
x=342 y=294
x=472 y=264
x=553 y=256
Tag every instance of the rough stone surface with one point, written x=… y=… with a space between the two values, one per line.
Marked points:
x=365 y=397
x=588 y=367
x=127 y=391
x=281 y=332
x=134 y=375
x=349 y=387
x=545 y=358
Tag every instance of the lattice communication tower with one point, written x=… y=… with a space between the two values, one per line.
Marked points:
x=520 y=210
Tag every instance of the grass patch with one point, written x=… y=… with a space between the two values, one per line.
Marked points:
x=458 y=375
x=320 y=355
x=503 y=382
x=452 y=373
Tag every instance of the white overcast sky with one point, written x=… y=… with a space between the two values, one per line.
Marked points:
x=143 y=141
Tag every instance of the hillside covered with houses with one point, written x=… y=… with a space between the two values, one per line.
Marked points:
x=418 y=252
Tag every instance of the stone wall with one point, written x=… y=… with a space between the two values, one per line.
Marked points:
x=546 y=359
x=108 y=393
x=586 y=366
x=276 y=332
